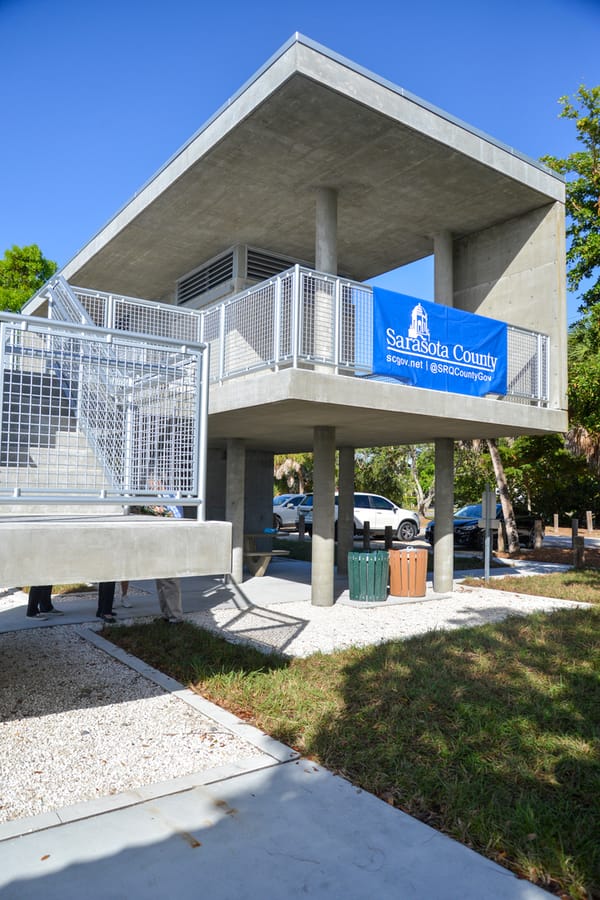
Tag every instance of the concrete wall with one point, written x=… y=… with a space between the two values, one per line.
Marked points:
x=259 y=492
x=259 y=488
x=55 y=551
x=516 y=272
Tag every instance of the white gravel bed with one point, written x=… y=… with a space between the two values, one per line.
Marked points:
x=76 y=724
x=300 y=629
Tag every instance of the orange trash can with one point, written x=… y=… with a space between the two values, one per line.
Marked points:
x=408 y=572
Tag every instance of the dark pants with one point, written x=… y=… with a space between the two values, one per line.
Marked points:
x=39 y=599
x=106 y=595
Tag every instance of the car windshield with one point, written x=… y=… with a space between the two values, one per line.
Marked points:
x=277 y=501
x=469 y=512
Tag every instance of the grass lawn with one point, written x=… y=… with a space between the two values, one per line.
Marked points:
x=488 y=734
x=582 y=585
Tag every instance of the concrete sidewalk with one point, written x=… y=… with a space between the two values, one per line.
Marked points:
x=271 y=825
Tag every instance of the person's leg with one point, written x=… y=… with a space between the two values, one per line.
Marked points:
x=124 y=599
x=39 y=598
x=169 y=598
x=106 y=596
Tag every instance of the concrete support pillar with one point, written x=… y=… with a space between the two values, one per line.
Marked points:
x=323 y=546
x=443 y=277
x=234 y=503
x=443 y=548
x=326 y=231
x=345 y=522
x=325 y=261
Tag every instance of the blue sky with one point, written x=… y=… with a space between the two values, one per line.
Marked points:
x=96 y=96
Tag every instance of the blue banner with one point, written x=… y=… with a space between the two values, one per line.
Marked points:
x=437 y=347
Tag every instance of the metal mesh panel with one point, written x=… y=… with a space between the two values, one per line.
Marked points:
x=317 y=318
x=249 y=330
x=286 y=313
x=140 y=316
x=356 y=328
x=527 y=364
x=91 y=417
x=96 y=306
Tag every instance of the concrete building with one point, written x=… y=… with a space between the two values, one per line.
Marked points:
x=318 y=164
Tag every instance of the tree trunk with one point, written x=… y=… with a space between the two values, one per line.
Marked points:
x=423 y=500
x=510 y=525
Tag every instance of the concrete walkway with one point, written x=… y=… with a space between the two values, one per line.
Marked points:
x=270 y=826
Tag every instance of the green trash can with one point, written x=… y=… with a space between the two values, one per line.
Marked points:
x=368 y=575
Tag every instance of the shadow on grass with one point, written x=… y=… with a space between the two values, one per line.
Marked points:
x=489 y=734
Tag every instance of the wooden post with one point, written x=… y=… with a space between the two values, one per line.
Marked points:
x=589 y=520
x=574 y=531
x=538 y=534
x=555 y=523
x=578 y=552
x=367 y=536
x=388 y=538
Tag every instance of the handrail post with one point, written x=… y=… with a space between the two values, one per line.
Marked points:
x=296 y=316
x=277 y=324
x=200 y=450
x=222 y=343
x=337 y=326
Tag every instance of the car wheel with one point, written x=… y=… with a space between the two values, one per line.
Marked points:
x=277 y=522
x=407 y=531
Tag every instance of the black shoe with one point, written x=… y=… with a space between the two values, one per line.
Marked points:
x=108 y=618
x=41 y=617
x=53 y=612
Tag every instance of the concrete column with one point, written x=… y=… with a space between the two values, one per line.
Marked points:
x=325 y=261
x=443 y=548
x=326 y=231
x=443 y=277
x=323 y=546
x=345 y=522
x=234 y=503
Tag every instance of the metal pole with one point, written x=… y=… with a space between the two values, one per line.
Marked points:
x=487 y=543
x=202 y=434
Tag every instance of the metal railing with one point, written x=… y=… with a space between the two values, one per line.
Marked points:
x=300 y=318
x=91 y=415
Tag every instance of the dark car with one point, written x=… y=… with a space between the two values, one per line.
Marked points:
x=469 y=533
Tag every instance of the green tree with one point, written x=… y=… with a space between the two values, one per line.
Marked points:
x=23 y=271
x=292 y=474
x=582 y=170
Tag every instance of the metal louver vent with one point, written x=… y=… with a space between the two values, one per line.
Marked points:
x=206 y=277
x=265 y=265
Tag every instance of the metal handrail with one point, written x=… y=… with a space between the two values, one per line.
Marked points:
x=299 y=318
x=135 y=404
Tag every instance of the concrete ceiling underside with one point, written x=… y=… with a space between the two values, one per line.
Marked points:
x=397 y=187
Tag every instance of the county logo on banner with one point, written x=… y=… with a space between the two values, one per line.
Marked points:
x=435 y=346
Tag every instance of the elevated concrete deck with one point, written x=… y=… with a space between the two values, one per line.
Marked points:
x=60 y=550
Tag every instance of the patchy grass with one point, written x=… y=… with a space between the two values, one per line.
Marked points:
x=79 y=588
x=489 y=734
x=582 y=585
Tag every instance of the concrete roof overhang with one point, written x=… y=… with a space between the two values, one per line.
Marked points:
x=278 y=411
x=308 y=119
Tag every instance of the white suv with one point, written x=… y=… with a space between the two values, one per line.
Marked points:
x=378 y=511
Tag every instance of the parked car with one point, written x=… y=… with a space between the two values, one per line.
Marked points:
x=468 y=532
x=378 y=511
x=285 y=510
